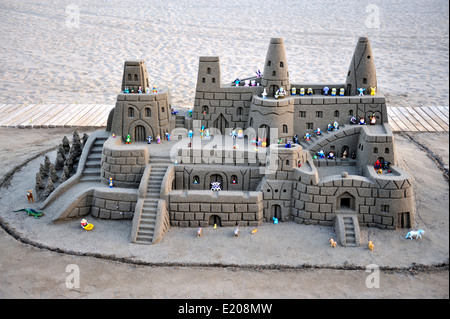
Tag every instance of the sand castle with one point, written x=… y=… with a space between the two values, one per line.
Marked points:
x=248 y=152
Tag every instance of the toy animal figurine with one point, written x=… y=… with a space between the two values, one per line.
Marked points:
x=111 y=182
x=373 y=90
x=128 y=139
x=31 y=212
x=85 y=225
x=199 y=232
x=415 y=234
x=30 y=196
x=333 y=243
x=361 y=91
x=341 y=91
x=254 y=231
x=236 y=231
x=370 y=245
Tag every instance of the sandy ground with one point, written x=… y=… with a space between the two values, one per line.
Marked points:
x=55 y=52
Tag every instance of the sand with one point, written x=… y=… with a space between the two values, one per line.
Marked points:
x=47 y=57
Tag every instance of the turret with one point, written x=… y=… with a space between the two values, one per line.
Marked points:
x=276 y=73
x=361 y=73
x=135 y=75
x=208 y=74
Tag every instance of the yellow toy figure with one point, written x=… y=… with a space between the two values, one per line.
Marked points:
x=85 y=225
x=370 y=245
x=333 y=243
x=254 y=231
x=373 y=90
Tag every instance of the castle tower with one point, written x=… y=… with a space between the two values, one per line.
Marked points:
x=361 y=73
x=135 y=75
x=276 y=73
x=208 y=78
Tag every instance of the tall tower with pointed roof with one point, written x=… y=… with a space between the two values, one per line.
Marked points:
x=362 y=72
x=276 y=73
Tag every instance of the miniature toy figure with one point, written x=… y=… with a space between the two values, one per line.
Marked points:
x=307 y=136
x=309 y=91
x=361 y=91
x=302 y=91
x=215 y=186
x=333 y=92
x=85 y=225
x=154 y=90
x=237 y=81
x=386 y=165
x=345 y=154
x=199 y=232
x=254 y=231
x=258 y=73
x=236 y=231
x=370 y=245
x=128 y=139
x=341 y=91
x=296 y=139
x=149 y=139
x=240 y=134
x=362 y=121
x=114 y=135
x=140 y=90
x=318 y=131
x=326 y=90
x=190 y=113
x=353 y=156
x=264 y=94
x=280 y=141
x=253 y=83
x=321 y=154
x=330 y=127
x=147 y=90
x=373 y=120
x=253 y=141
x=158 y=139
x=111 y=183
x=415 y=234
x=353 y=120
x=293 y=91
x=275 y=220
x=380 y=171
x=196 y=180
x=288 y=143
x=173 y=111
x=127 y=90
x=233 y=134
x=30 y=196
x=331 y=155
x=167 y=136
x=236 y=146
x=373 y=90
x=336 y=125
x=280 y=93
x=333 y=243
x=259 y=141
x=190 y=134
x=377 y=164
x=207 y=135
x=233 y=181
x=31 y=212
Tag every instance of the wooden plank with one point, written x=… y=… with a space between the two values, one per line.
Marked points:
x=397 y=121
x=429 y=120
x=11 y=108
x=87 y=118
x=97 y=116
x=80 y=115
x=19 y=113
x=420 y=119
x=444 y=110
x=393 y=125
x=409 y=127
x=49 y=112
x=26 y=119
x=412 y=119
x=52 y=122
x=2 y=106
x=436 y=118
x=104 y=117
x=70 y=112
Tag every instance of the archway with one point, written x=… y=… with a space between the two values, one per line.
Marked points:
x=139 y=133
x=276 y=211
x=221 y=123
x=215 y=220
x=272 y=90
x=264 y=133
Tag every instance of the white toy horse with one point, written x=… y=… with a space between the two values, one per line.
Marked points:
x=417 y=234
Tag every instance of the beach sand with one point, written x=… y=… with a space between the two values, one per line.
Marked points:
x=50 y=54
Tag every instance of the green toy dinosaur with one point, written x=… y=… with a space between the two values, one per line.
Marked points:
x=31 y=212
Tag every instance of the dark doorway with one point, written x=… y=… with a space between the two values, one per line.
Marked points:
x=139 y=133
x=216 y=178
x=214 y=220
x=276 y=211
x=404 y=220
x=221 y=124
x=345 y=203
x=264 y=134
x=272 y=90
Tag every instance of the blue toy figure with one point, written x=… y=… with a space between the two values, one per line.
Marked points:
x=302 y=91
x=275 y=220
x=149 y=139
x=336 y=125
x=321 y=154
x=330 y=127
x=190 y=113
x=325 y=90
x=333 y=92
x=237 y=81
x=361 y=91
x=318 y=131
x=341 y=91
x=111 y=183
x=190 y=134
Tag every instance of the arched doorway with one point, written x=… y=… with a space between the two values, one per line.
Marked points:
x=215 y=220
x=272 y=90
x=221 y=123
x=276 y=211
x=264 y=133
x=139 y=134
x=216 y=178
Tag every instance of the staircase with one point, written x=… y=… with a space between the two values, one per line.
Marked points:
x=91 y=170
x=146 y=227
x=347 y=229
x=179 y=121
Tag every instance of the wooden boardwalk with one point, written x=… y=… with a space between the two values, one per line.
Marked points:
x=401 y=119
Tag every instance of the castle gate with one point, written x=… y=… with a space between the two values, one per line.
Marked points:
x=276 y=211
x=139 y=133
x=221 y=123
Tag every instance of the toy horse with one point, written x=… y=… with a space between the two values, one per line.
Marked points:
x=417 y=234
x=30 y=196
x=333 y=243
x=370 y=245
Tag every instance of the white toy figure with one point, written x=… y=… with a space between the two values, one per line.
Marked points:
x=215 y=186
x=264 y=94
x=415 y=234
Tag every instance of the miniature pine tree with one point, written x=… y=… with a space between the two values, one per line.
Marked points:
x=66 y=144
x=39 y=184
x=65 y=175
x=52 y=174
x=50 y=187
x=59 y=162
x=47 y=163
x=76 y=148
x=84 y=139
x=42 y=171
x=69 y=162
